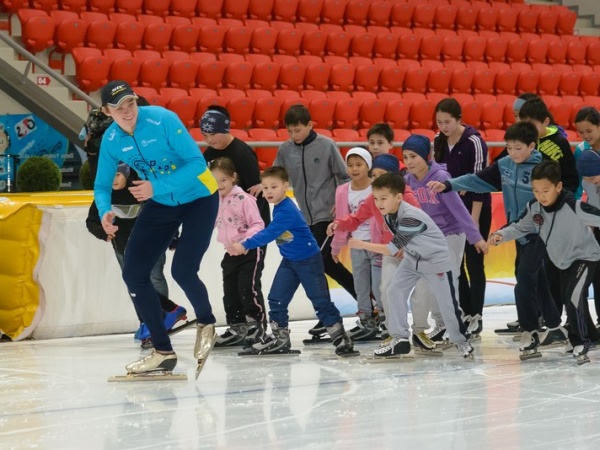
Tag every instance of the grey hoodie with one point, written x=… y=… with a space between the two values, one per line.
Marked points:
x=316 y=169
x=424 y=244
x=563 y=227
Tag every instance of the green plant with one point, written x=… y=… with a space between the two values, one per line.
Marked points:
x=38 y=174
x=85 y=176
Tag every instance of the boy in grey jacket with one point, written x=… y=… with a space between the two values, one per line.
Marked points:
x=563 y=225
x=426 y=255
x=316 y=168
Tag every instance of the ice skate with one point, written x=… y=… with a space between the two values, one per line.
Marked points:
x=155 y=366
x=580 y=353
x=475 y=327
x=465 y=349
x=396 y=348
x=366 y=329
x=553 y=337
x=205 y=340
x=529 y=345
x=255 y=333
x=424 y=346
x=277 y=343
x=234 y=336
x=440 y=337
x=511 y=328
x=343 y=344
x=318 y=335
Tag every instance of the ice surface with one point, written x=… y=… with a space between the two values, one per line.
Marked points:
x=54 y=394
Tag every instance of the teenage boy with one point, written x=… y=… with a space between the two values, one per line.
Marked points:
x=512 y=176
x=302 y=264
x=426 y=256
x=563 y=224
x=316 y=168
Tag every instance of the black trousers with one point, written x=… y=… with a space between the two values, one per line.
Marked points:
x=575 y=282
x=337 y=271
x=242 y=290
x=472 y=280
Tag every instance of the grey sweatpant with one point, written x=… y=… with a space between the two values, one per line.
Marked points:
x=367 y=279
x=423 y=301
x=442 y=288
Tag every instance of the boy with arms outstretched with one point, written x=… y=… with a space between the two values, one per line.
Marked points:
x=426 y=255
x=302 y=264
x=563 y=225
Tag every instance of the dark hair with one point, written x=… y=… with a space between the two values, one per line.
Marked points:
x=450 y=106
x=535 y=109
x=392 y=181
x=221 y=109
x=547 y=170
x=527 y=96
x=297 y=115
x=275 y=172
x=225 y=165
x=525 y=132
x=588 y=114
x=382 y=129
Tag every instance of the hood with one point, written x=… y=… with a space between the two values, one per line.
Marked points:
x=436 y=172
x=469 y=131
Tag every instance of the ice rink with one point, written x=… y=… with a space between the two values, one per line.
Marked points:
x=54 y=394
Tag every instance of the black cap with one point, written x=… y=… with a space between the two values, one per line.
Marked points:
x=115 y=92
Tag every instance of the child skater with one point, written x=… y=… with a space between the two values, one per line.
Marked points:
x=238 y=219
x=380 y=234
x=301 y=264
x=563 y=225
x=425 y=255
x=172 y=313
x=449 y=213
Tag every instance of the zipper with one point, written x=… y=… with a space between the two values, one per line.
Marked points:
x=306 y=187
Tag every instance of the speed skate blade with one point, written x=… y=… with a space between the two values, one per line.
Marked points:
x=150 y=376
x=315 y=340
x=530 y=356
x=421 y=352
x=251 y=353
x=387 y=359
x=181 y=327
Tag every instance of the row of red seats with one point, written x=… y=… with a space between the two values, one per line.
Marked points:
x=67 y=30
x=176 y=69
x=358 y=111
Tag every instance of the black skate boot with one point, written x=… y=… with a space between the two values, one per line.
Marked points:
x=511 y=328
x=396 y=348
x=439 y=337
x=234 y=336
x=277 y=343
x=553 y=337
x=529 y=345
x=318 y=335
x=256 y=332
x=474 y=326
x=580 y=353
x=343 y=343
x=366 y=329
x=424 y=346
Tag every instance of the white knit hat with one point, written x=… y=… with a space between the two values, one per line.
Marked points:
x=364 y=154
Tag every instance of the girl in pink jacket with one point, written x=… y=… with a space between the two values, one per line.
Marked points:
x=238 y=219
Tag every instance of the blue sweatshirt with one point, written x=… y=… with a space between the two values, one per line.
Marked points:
x=290 y=232
x=447 y=210
x=514 y=180
x=161 y=151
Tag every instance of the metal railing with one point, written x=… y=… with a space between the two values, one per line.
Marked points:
x=398 y=144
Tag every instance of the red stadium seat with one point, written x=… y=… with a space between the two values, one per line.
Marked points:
x=157 y=7
x=392 y=78
x=557 y=52
x=593 y=53
x=590 y=84
x=452 y=48
x=423 y=15
x=492 y=115
x=210 y=9
x=184 y=8
x=238 y=75
x=548 y=83
x=385 y=46
x=236 y=9
x=341 y=77
x=566 y=22
x=211 y=74
x=397 y=113
x=357 y=12
x=516 y=51
x=264 y=40
x=461 y=81
x=260 y=10
x=507 y=19
x=547 y=21
x=402 y=14
x=289 y=41
x=527 y=20
x=291 y=76
x=151 y=95
x=415 y=80
x=321 y=112
x=576 y=52
x=561 y=112
x=495 y=49
x=69 y=34
x=334 y=11
x=372 y=112
x=125 y=68
x=185 y=107
x=487 y=18
x=474 y=48
x=338 y=43
x=439 y=80
x=309 y=10
x=157 y=36
x=44 y=5
x=483 y=81
x=103 y=6
x=237 y=40
x=341 y=135
x=536 y=51
x=185 y=38
x=379 y=13
x=445 y=16
x=506 y=82
x=528 y=81
x=241 y=110
x=408 y=46
x=317 y=76
x=91 y=69
x=466 y=17
x=569 y=83
x=346 y=113
x=265 y=76
x=133 y=7
x=183 y=73
x=101 y=34
x=211 y=38
x=267 y=112
x=285 y=10
x=154 y=73
x=422 y=114
x=313 y=43
x=129 y=35
x=366 y=78
x=362 y=44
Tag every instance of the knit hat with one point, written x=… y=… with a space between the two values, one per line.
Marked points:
x=518 y=103
x=419 y=144
x=364 y=154
x=588 y=163
x=115 y=92
x=124 y=170
x=213 y=121
x=387 y=162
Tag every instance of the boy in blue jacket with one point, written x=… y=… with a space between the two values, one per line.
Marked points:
x=302 y=264
x=512 y=175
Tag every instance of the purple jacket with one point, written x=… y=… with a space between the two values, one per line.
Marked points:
x=447 y=209
x=469 y=155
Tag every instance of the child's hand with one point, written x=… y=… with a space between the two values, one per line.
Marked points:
x=255 y=190
x=236 y=249
x=335 y=257
x=107 y=223
x=436 y=186
x=331 y=228
x=355 y=243
x=481 y=246
x=495 y=239
x=399 y=254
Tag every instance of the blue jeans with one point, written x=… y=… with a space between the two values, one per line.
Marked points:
x=311 y=274
x=150 y=238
